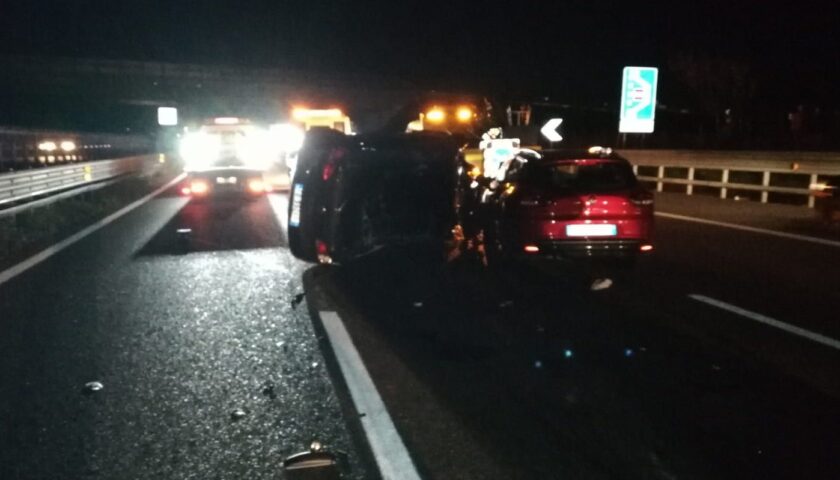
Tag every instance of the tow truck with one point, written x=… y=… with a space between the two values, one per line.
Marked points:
x=332 y=118
x=449 y=117
x=232 y=156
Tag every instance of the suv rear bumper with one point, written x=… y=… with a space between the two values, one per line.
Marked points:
x=582 y=249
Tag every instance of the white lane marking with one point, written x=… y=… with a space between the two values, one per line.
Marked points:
x=813 y=336
x=388 y=448
x=48 y=252
x=764 y=231
x=279 y=204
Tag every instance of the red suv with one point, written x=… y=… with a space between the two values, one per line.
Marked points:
x=574 y=204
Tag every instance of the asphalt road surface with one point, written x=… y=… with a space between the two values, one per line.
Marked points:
x=673 y=373
x=181 y=335
x=525 y=374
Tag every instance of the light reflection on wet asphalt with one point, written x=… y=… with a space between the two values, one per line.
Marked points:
x=207 y=369
x=210 y=367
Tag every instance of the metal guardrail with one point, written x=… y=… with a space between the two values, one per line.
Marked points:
x=768 y=173
x=27 y=185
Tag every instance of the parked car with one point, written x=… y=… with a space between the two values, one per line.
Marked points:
x=570 y=205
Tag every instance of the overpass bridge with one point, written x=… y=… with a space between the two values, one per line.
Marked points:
x=123 y=95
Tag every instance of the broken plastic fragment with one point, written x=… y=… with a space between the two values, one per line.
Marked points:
x=601 y=284
x=297 y=299
x=92 y=387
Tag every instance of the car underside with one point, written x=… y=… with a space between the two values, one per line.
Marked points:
x=352 y=195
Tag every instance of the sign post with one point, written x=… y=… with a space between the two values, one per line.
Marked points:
x=638 y=99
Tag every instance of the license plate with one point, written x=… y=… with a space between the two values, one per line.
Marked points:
x=297 y=196
x=223 y=180
x=591 y=230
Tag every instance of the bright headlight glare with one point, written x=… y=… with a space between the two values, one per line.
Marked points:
x=199 y=150
x=199 y=187
x=256 y=185
x=256 y=149
x=288 y=138
x=47 y=146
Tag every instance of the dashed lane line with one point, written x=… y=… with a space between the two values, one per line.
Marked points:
x=744 y=228
x=813 y=336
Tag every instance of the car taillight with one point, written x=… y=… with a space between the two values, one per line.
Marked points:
x=642 y=199
x=185 y=191
x=331 y=166
x=322 y=250
x=256 y=186
x=199 y=187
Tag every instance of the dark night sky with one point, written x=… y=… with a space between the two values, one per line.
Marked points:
x=573 y=49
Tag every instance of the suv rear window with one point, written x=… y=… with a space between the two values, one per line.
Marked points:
x=596 y=176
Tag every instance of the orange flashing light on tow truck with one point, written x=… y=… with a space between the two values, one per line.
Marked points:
x=330 y=118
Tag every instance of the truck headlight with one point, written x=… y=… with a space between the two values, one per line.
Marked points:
x=199 y=150
x=287 y=137
x=256 y=149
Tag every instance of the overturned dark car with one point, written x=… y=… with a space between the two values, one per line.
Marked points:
x=353 y=195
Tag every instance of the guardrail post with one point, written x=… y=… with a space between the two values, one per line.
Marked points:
x=765 y=182
x=724 y=179
x=689 y=188
x=660 y=174
x=811 y=198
